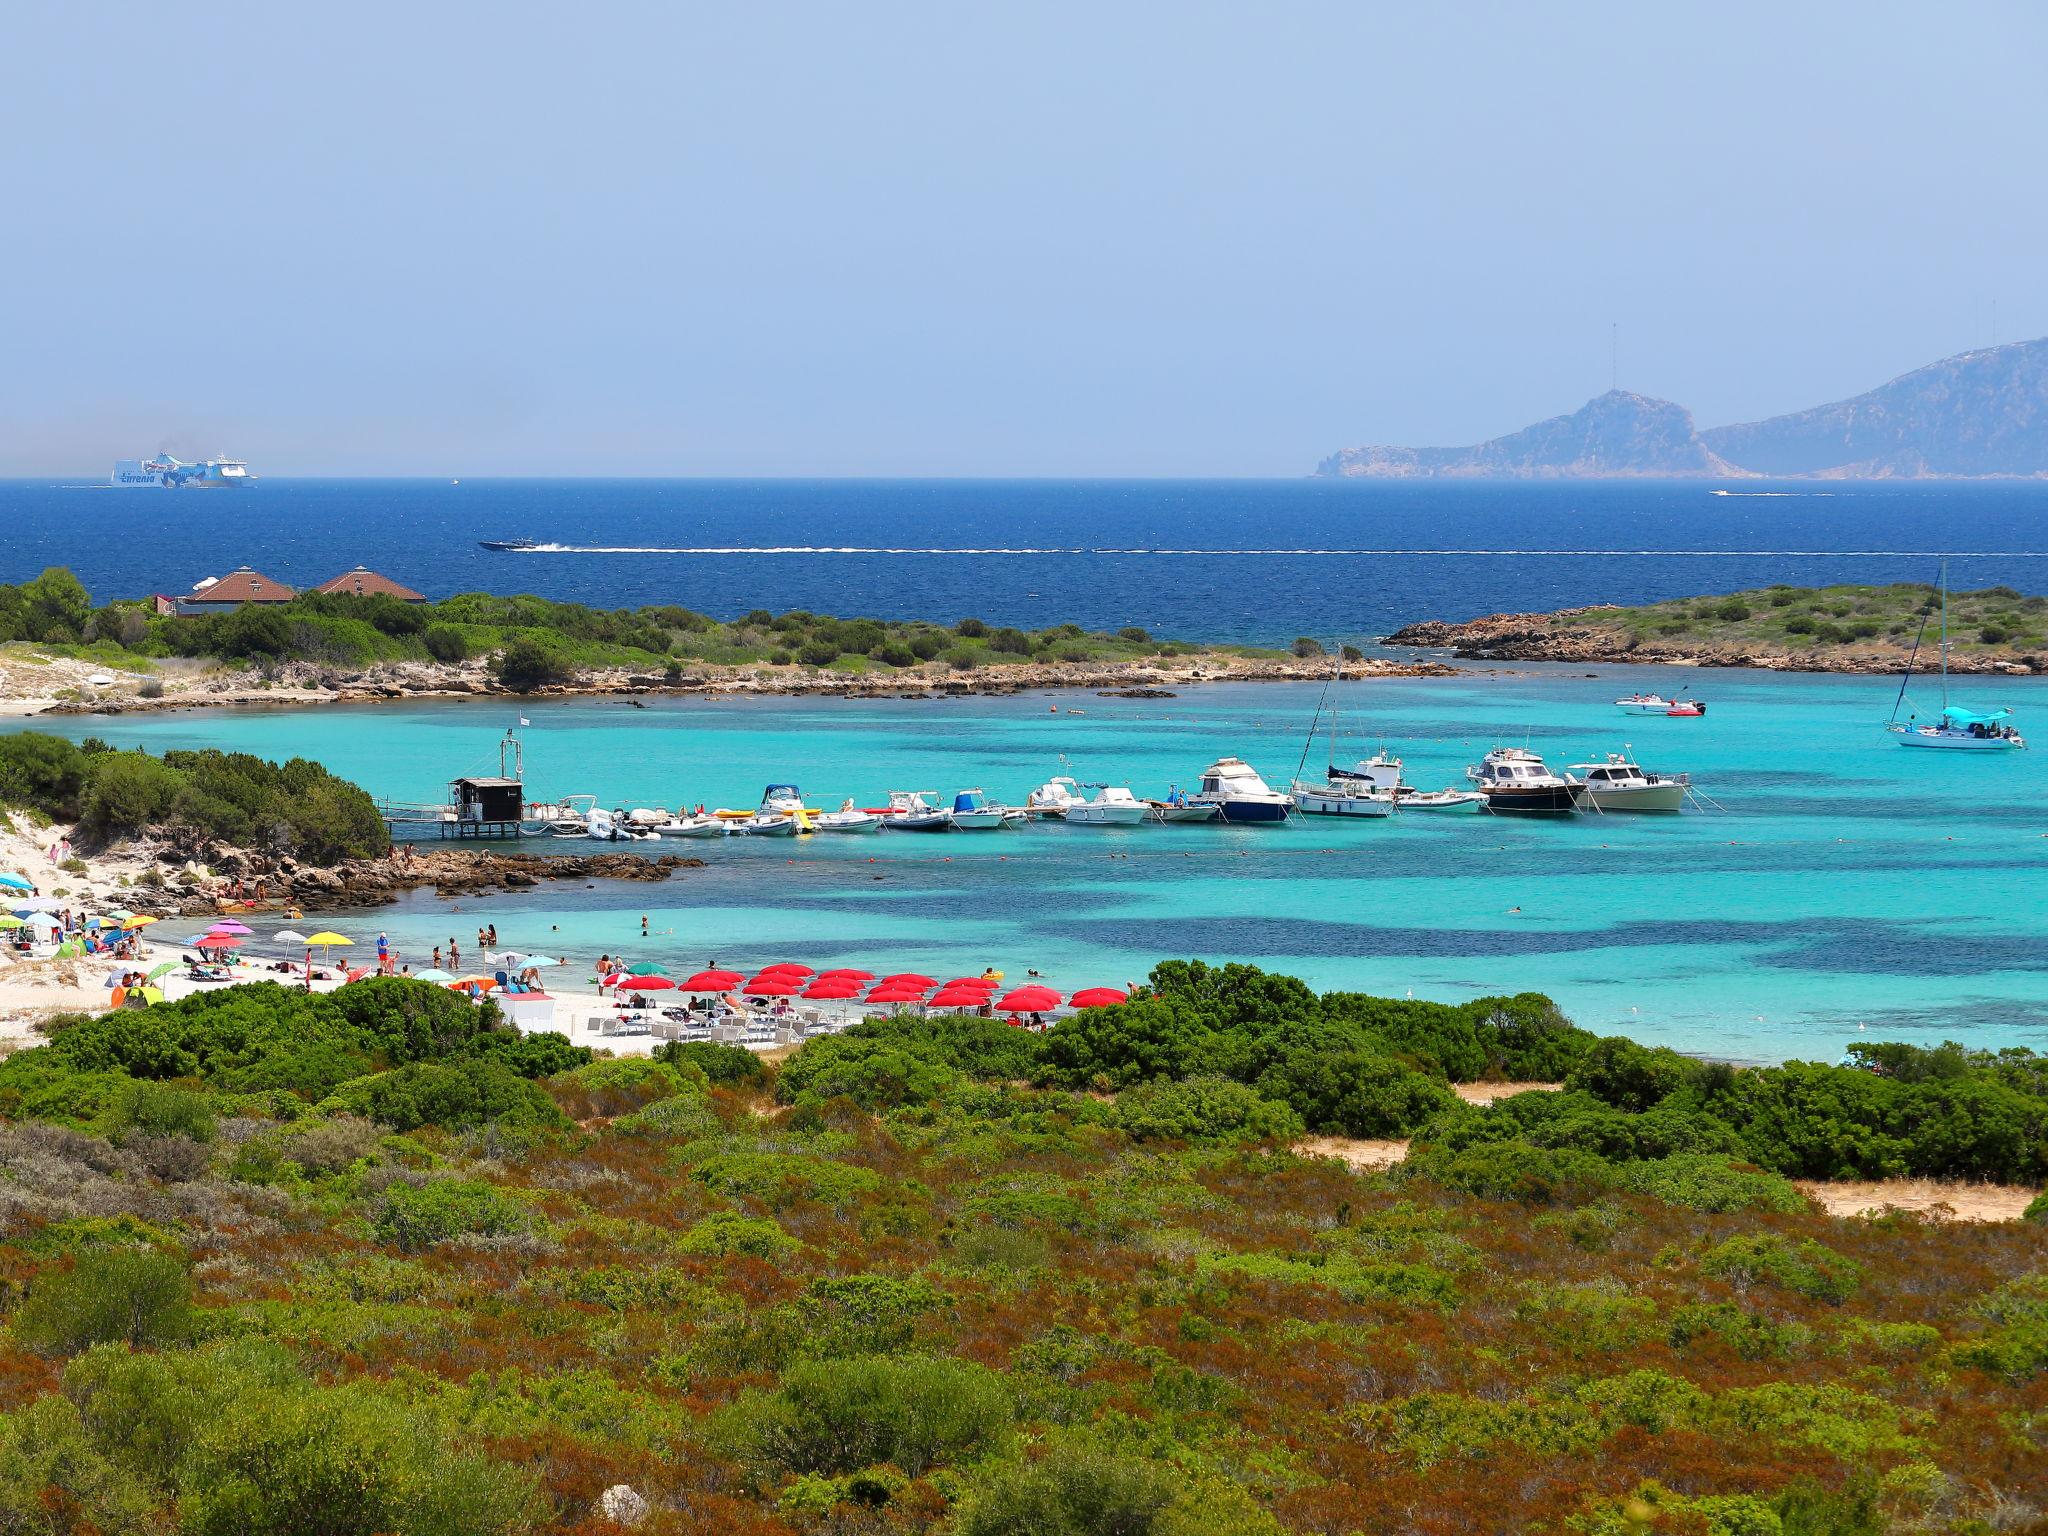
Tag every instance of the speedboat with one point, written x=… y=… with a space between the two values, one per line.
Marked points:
x=1178 y=810
x=1339 y=797
x=1515 y=780
x=613 y=827
x=509 y=544
x=782 y=814
x=973 y=813
x=1657 y=704
x=848 y=818
x=1619 y=784
x=1053 y=797
x=916 y=810
x=1239 y=794
x=696 y=826
x=1113 y=806
x=649 y=816
x=1441 y=800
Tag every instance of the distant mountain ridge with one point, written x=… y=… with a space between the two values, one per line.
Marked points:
x=1981 y=413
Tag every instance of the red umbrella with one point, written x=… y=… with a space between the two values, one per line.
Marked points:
x=219 y=941
x=773 y=986
x=646 y=984
x=826 y=990
x=846 y=975
x=1098 y=997
x=909 y=979
x=888 y=995
x=980 y=983
x=958 y=997
x=713 y=981
x=787 y=968
x=1030 y=1000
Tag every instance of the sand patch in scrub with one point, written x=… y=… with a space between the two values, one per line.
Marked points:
x=1937 y=1198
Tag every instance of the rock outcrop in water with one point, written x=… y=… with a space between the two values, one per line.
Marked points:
x=1977 y=414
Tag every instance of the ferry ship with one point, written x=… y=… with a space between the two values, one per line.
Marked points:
x=163 y=470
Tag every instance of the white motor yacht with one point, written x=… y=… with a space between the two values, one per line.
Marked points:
x=1619 y=784
x=1518 y=781
x=782 y=814
x=1234 y=787
x=1113 y=806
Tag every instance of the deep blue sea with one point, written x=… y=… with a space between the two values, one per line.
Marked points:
x=1849 y=890
x=1256 y=561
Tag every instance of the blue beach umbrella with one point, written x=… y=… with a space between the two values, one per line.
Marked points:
x=16 y=883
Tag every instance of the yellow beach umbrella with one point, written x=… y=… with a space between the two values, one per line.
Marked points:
x=138 y=922
x=329 y=938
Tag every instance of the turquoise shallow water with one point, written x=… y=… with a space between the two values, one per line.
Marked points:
x=1851 y=887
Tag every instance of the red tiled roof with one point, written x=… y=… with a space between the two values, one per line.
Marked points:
x=363 y=582
x=243 y=586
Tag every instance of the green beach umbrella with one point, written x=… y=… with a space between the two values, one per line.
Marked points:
x=168 y=965
x=11 y=921
x=433 y=974
x=646 y=968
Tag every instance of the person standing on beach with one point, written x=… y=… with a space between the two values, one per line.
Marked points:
x=383 y=953
x=454 y=954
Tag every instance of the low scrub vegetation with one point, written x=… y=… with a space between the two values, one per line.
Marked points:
x=1996 y=620
x=533 y=642
x=370 y=1262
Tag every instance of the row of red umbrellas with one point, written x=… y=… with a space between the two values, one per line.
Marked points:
x=847 y=985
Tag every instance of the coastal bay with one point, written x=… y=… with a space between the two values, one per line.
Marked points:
x=1836 y=899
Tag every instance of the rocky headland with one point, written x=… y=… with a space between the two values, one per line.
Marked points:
x=1978 y=414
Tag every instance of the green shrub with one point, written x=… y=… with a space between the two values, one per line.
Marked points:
x=135 y=1296
x=1515 y=1170
x=874 y=1073
x=724 y=1233
x=840 y=1416
x=1708 y=1182
x=1074 y=1493
x=1203 y=1109
x=415 y=1217
x=161 y=1109
x=54 y=1479
x=781 y=1179
x=1805 y=1267
x=448 y=1095
x=528 y=664
x=2037 y=1210
x=1356 y=1093
x=342 y=1460
x=727 y=1066
x=624 y=1085
x=444 y=642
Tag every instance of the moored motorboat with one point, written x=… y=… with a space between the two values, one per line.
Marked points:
x=973 y=813
x=1112 y=806
x=848 y=818
x=1053 y=797
x=696 y=826
x=1515 y=780
x=1621 y=784
x=1441 y=800
x=1234 y=787
x=915 y=810
x=1178 y=810
x=782 y=814
x=1340 y=797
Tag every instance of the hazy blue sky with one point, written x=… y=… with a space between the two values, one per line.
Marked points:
x=970 y=239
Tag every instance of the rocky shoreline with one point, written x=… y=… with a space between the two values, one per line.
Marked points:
x=373 y=882
x=1548 y=637
x=301 y=683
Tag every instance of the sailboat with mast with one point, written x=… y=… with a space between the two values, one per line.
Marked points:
x=1341 y=793
x=1956 y=728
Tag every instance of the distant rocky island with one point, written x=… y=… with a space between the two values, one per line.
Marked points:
x=1977 y=414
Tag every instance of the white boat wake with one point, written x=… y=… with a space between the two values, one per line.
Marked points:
x=878 y=549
